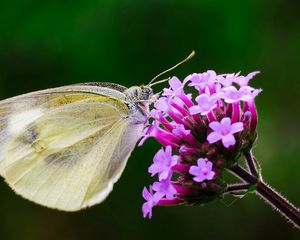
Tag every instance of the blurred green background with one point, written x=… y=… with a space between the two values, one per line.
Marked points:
x=52 y=43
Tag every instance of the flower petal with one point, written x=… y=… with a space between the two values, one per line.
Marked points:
x=146 y=194
x=194 y=170
x=228 y=140
x=216 y=126
x=209 y=165
x=195 y=110
x=237 y=127
x=200 y=178
x=226 y=122
x=147 y=209
x=163 y=175
x=214 y=137
x=202 y=162
x=210 y=175
x=175 y=83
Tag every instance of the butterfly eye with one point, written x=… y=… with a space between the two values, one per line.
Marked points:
x=146 y=93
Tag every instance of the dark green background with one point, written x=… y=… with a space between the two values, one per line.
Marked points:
x=52 y=43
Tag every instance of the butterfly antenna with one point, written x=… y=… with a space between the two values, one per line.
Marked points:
x=159 y=82
x=192 y=54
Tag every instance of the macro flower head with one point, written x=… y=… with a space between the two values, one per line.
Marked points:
x=201 y=135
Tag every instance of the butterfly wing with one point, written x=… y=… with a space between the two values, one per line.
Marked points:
x=65 y=149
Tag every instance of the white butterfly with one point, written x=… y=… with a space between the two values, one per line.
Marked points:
x=64 y=148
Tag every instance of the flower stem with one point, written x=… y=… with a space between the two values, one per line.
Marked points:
x=238 y=187
x=250 y=163
x=272 y=197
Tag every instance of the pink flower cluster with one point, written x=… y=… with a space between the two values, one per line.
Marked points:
x=200 y=136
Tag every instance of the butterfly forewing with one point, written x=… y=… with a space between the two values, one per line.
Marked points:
x=65 y=149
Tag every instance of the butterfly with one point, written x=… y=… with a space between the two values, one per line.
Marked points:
x=64 y=148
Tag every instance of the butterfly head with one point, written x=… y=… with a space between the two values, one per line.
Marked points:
x=139 y=94
x=146 y=93
x=138 y=100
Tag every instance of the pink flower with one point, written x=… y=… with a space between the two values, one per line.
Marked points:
x=243 y=80
x=227 y=79
x=173 y=106
x=224 y=131
x=162 y=104
x=176 y=92
x=162 y=163
x=201 y=80
x=152 y=131
x=176 y=87
x=245 y=93
x=179 y=130
x=151 y=201
x=164 y=188
x=162 y=135
x=206 y=103
x=203 y=170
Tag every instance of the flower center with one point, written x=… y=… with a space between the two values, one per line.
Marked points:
x=205 y=171
x=224 y=131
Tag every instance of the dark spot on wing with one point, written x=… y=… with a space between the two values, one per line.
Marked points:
x=58 y=158
x=29 y=136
